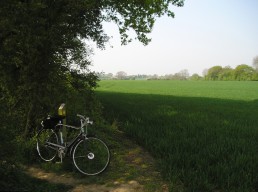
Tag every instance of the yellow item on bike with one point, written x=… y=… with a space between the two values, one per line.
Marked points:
x=62 y=110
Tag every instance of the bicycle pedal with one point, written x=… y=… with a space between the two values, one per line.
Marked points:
x=58 y=162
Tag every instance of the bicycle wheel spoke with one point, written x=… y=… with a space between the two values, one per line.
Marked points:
x=91 y=156
x=79 y=156
x=44 y=138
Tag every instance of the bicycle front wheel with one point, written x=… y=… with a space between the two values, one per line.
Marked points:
x=45 y=151
x=91 y=156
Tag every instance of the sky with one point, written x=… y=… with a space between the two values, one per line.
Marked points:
x=203 y=34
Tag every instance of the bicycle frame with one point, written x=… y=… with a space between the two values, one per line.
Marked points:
x=68 y=146
x=90 y=155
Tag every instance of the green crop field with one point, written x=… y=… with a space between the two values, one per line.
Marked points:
x=203 y=134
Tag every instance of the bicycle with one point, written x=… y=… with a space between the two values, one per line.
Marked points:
x=90 y=155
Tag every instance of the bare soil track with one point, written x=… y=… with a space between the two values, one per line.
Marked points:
x=131 y=169
x=77 y=184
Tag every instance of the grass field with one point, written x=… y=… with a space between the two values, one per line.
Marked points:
x=204 y=135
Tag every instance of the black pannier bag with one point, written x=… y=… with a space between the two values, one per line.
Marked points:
x=51 y=122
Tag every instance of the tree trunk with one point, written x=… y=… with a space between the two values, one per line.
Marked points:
x=29 y=121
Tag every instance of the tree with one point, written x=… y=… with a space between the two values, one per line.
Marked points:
x=213 y=73
x=195 y=77
x=185 y=74
x=243 y=73
x=110 y=75
x=182 y=75
x=226 y=73
x=121 y=75
x=137 y=15
x=205 y=72
x=42 y=45
x=103 y=75
x=255 y=63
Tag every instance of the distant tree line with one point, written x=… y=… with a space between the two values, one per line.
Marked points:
x=242 y=72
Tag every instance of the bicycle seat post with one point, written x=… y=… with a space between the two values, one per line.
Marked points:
x=63 y=131
x=61 y=136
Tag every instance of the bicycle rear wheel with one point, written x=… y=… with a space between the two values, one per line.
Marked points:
x=91 y=156
x=45 y=151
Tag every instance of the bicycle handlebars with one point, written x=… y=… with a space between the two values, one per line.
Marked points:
x=86 y=120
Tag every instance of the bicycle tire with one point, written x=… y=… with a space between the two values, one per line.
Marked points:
x=46 y=152
x=91 y=156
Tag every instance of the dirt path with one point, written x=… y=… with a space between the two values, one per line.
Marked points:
x=131 y=169
x=78 y=186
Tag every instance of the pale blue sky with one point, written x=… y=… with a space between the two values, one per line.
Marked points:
x=204 y=33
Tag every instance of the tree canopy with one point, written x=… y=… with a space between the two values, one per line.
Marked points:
x=43 y=51
x=255 y=63
x=242 y=72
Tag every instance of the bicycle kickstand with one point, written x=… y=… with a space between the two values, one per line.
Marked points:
x=60 y=154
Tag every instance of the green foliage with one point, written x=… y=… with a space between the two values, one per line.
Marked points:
x=43 y=54
x=226 y=74
x=44 y=60
x=41 y=47
x=195 y=77
x=240 y=73
x=255 y=63
x=137 y=15
x=243 y=72
x=213 y=73
x=203 y=134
